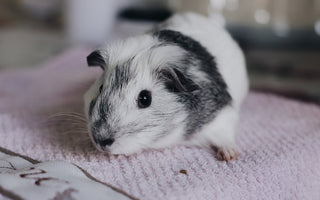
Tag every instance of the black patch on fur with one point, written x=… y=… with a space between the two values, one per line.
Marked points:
x=96 y=59
x=118 y=79
x=100 y=103
x=196 y=51
x=91 y=106
x=96 y=126
x=204 y=102
x=176 y=81
x=104 y=111
x=120 y=76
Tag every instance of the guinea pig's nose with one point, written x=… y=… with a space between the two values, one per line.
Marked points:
x=106 y=142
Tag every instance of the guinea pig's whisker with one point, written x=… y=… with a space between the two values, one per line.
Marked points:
x=69 y=125
x=73 y=127
x=66 y=120
x=70 y=115
x=73 y=132
x=79 y=128
x=63 y=117
x=70 y=122
x=67 y=117
x=66 y=123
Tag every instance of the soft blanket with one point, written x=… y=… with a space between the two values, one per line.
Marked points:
x=278 y=140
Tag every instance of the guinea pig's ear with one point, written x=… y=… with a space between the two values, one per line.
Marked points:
x=96 y=59
x=176 y=81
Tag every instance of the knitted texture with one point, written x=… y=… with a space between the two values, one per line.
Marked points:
x=278 y=141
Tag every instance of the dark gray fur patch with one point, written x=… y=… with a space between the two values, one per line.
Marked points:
x=101 y=124
x=176 y=81
x=91 y=106
x=96 y=126
x=203 y=104
x=120 y=76
x=103 y=110
x=118 y=79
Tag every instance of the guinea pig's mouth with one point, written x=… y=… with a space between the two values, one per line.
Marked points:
x=103 y=144
x=105 y=148
x=114 y=146
x=101 y=148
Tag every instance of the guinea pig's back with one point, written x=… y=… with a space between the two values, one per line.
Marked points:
x=228 y=55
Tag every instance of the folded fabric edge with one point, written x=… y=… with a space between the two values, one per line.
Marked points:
x=11 y=195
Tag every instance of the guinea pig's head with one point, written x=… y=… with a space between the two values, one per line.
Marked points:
x=134 y=104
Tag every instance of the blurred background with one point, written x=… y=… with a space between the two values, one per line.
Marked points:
x=280 y=38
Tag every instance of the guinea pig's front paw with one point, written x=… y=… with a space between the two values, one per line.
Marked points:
x=225 y=153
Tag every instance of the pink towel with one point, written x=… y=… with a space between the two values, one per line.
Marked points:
x=278 y=140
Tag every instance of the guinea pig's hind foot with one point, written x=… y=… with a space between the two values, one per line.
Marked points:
x=225 y=153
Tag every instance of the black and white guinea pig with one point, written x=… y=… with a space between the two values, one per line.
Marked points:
x=182 y=83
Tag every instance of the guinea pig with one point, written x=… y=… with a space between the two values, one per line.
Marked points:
x=180 y=84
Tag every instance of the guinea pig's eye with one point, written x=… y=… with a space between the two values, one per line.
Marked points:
x=100 y=88
x=144 y=99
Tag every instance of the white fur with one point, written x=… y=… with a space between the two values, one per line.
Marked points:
x=230 y=63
